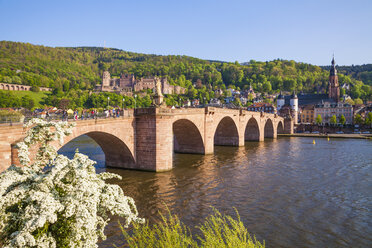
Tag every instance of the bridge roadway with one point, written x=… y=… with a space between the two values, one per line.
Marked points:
x=147 y=139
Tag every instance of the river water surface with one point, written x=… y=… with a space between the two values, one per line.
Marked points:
x=287 y=191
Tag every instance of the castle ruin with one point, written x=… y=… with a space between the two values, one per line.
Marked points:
x=127 y=84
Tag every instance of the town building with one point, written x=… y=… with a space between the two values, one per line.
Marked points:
x=243 y=100
x=326 y=109
x=262 y=107
x=323 y=104
x=249 y=93
x=306 y=114
x=215 y=102
x=126 y=84
x=288 y=106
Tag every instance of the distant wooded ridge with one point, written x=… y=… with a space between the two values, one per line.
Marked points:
x=81 y=68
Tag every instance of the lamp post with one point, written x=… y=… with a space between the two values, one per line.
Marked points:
x=123 y=106
x=135 y=103
x=108 y=102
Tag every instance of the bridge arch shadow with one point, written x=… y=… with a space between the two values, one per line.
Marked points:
x=187 y=137
x=252 y=131
x=280 y=128
x=226 y=133
x=269 y=129
x=116 y=153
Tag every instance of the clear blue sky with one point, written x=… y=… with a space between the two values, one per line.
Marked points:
x=306 y=31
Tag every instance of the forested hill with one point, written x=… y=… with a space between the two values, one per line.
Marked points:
x=358 y=72
x=81 y=68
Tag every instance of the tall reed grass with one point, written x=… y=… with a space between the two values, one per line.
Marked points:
x=216 y=231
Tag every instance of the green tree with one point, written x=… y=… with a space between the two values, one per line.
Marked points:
x=237 y=102
x=358 y=101
x=66 y=86
x=27 y=102
x=342 y=119
x=358 y=119
x=350 y=101
x=368 y=120
x=333 y=120
x=342 y=91
x=318 y=119
x=16 y=80
x=35 y=88
x=266 y=86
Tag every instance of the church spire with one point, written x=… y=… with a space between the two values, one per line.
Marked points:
x=333 y=71
x=333 y=86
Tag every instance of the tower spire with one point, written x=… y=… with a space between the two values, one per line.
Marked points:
x=333 y=86
x=333 y=71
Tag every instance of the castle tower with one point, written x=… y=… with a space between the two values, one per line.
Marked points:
x=294 y=106
x=106 y=79
x=280 y=101
x=333 y=86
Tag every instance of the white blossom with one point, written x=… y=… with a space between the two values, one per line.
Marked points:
x=55 y=193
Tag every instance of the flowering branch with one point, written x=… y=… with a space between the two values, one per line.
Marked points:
x=42 y=132
x=65 y=204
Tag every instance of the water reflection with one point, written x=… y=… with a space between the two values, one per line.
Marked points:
x=288 y=191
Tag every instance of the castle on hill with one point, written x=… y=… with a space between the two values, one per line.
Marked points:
x=127 y=84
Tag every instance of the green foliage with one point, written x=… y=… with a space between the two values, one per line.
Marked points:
x=27 y=99
x=13 y=116
x=358 y=119
x=350 y=101
x=318 y=119
x=333 y=119
x=70 y=70
x=35 y=88
x=368 y=120
x=358 y=101
x=217 y=231
x=170 y=232
x=342 y=119
x=358 y=72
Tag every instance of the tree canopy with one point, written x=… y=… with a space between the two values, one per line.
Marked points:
x=73 y=71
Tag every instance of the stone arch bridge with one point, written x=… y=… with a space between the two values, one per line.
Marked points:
x=147 y=139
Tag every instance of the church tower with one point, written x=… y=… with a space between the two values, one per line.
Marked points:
x=333 y=86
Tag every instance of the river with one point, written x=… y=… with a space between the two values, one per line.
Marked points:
x=288 y=192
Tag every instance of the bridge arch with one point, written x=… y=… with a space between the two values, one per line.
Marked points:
x=187 y=137
x=269 y=129
x=252 y=130
x=226 y=133
x=280 y=128
x=117 y=153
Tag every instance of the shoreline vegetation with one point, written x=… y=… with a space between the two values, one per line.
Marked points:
x=217 y=230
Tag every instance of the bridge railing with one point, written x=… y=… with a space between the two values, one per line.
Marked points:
x=16 y=120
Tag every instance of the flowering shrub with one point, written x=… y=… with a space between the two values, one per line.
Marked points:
x=57 y=201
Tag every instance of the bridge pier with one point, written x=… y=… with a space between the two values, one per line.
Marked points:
x=154 y=141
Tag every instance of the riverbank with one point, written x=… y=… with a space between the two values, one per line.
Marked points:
x=333 y=135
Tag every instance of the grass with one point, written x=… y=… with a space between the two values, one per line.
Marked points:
x=36 y=96
x=216 y=231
